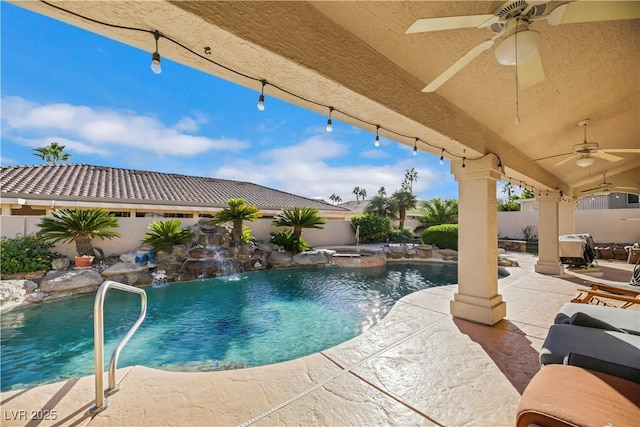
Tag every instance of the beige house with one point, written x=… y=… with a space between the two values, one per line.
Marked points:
x=36 y=190
x=492 y=121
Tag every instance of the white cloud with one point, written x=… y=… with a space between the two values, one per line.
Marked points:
x=301 y=169
x=108 y=130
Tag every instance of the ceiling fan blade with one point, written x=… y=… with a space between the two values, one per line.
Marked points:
x=458 y=65
x=591 y=11
x=605 y=156
x=620 y=150
x=591 y=189
x=530 y=72
x=561 y=162
x=450 y=23
x=625 y=188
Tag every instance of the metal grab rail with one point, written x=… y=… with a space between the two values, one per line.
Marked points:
x=98 y=341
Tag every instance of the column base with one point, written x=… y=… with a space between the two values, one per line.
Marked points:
x=549 y=267
x=480 y=310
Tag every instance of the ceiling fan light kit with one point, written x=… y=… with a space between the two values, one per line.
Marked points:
x=585 y=161
x=528 y=44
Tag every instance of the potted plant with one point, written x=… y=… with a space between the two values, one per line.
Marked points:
x=79 y=226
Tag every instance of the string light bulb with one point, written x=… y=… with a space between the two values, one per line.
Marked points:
x=261 y=97
x=463 y=159
x=415 y=147
x=329 y=124
x=442 y=157
x=155 y=57
x=377 y=143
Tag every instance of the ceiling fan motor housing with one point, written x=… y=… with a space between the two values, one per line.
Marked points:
x=586 y=148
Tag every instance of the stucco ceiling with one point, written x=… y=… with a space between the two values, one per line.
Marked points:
x=356 y=56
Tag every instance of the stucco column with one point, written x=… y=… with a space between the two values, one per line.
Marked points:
x=548 y=232
x=477 y=298
x=567 y=217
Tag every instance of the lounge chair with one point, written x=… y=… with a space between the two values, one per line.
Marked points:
x=622 y=296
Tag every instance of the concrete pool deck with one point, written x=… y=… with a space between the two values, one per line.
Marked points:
x=418 y=366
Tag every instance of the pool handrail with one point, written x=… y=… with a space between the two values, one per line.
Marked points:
x=98 y=339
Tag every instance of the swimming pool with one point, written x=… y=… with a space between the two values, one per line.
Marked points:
x=251 y=319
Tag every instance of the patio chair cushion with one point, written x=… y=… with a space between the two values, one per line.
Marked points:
x=561 y=395
x=607 y=346
x=612 y=317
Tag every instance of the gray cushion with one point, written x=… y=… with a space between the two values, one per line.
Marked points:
x=608 y=346
x=582 y=319
x=619 y=318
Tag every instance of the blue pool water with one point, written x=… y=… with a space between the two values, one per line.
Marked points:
x=252 y=319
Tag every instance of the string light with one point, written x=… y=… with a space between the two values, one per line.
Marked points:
x=260 y=105
x=463 y=159
x=415 y=147
x=329 y=124
x=261 y=97
x=155 y=57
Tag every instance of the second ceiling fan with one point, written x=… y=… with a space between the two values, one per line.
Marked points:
x=520 y=44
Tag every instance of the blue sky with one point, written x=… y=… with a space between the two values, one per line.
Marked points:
x=99 y=98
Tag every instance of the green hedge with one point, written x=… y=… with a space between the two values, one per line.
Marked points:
x=444 y=236
x=373 y=228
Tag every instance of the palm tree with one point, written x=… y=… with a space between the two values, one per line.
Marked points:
x=382 y=191
x=237 y=212
x=382 y=206
x=356 y=191
x=52 y=153
x=79 y=226
x=335 y=198
x=410 y=175
x=437 y=211
x=299 y=218
x=404 y=200
x=508 y=188
x=363 y=193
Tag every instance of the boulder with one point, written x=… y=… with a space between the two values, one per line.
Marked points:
x=60 y=264
x=279 y=259
x=62 y=281
x=125 y=268
x=15 y=292
x=424 y=252
x=311 y=258
x=129 y=274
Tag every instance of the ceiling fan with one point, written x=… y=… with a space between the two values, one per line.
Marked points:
x=586 y=153
x=520 y=45
x=606 y=187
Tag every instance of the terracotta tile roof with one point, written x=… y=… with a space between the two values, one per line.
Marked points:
x=106 y=184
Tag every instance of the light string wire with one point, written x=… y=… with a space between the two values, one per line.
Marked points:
x=265 y=83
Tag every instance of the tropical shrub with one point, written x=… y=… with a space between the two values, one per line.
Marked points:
x=24 y=254
x=400 y=235
x=443 y=236
x=79 y=226
x=437 y=211
x=237 y=212
x=164 y=234
x=299 y=218
x=289 y=242
x=246 y=234
x=373 y=228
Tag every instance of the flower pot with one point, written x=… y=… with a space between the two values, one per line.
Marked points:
x=83 y=261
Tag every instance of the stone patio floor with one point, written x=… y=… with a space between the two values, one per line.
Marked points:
x=419 y=366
